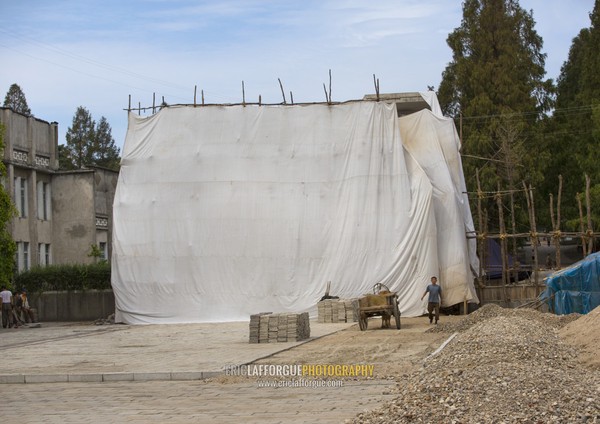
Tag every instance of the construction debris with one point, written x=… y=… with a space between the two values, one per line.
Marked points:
x=503 y=366
x=105 y=321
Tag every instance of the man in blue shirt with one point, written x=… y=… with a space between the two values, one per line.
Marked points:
x=435 y=299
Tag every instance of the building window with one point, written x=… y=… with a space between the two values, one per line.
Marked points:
x=103 y=252
x=44 y=254
x=22 y=256
x=43 y=197
x=21 y=196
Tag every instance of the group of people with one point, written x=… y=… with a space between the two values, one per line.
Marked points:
x=15 y=309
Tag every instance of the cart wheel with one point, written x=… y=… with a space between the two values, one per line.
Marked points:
x=396 y=313
x=363 y=321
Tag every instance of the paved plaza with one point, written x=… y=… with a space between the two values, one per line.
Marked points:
x=81 y=373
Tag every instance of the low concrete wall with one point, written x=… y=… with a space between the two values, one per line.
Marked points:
x=86 y=305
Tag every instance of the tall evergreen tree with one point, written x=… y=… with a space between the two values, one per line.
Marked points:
x=8 y=247
x=573 y=134
x=15 y=99
x=88 y=143
x=80 y=139
x=106 y=153
x=496 y=82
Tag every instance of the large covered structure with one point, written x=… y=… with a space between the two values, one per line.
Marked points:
x=225 y=211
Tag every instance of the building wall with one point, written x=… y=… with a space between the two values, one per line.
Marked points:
x=30 y=148
x=78 y=210
x=74 y=218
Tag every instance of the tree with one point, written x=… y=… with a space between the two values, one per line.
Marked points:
x=495 y=81
x=88 y=143
x=106 y=153
x=15 y=99
x=8 y=247
x=573 y=133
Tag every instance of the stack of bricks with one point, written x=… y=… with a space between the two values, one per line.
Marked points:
x=267 y=327
x=336 y=310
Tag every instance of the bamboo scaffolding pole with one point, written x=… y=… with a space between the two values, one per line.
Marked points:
x=481 y=239
x=581 y=226
x=533 y=233
x=502 y=243
x=536 y=262
x=514 y=239
x=557 y=229
x=590 y=230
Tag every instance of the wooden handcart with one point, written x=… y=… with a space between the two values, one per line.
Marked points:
x=383 y=303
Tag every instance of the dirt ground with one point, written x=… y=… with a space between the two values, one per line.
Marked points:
x=392 y=352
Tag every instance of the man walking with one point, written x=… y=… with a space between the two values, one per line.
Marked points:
x=435 y=299
x=6 y=296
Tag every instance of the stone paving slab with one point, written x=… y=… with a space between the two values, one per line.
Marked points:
x=188 y=402
x=58 y=352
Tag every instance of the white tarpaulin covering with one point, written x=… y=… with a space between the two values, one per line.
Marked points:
x=226 y=211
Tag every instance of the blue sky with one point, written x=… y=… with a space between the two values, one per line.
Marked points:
x=70 y=53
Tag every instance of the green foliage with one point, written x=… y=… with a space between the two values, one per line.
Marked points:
x=495 y=81
x=88 y=143
x=15 y=99
x=65 y=277
x=106 y=153
x=95 y=252
x=8 y=248
x=572 y=135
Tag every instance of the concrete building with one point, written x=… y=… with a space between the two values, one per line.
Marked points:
x=60 y=215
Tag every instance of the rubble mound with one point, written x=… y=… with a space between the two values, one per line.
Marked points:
x=491 y=310
x=584 y=333
x=502 y=366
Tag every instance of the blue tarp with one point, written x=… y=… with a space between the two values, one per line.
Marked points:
x=576 y=288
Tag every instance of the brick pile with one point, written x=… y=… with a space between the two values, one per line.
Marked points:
x=336 y=310
x=268 y=327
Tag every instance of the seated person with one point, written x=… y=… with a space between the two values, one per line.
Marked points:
x=25 y=311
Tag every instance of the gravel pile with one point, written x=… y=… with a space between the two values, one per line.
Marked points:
x=504 y=366
x=490 y=311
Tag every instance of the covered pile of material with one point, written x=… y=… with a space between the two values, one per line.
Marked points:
x=224 y=211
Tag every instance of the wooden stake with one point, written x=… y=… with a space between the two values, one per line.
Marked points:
x=282 y=92
x=376 y=82
x=330 y=86
x=259 y=100
x=243 y=94
x=129 y=106
x=291 y=97
x=195 y=89
x=153 y=102
x=325 y=90
x=202 y=92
